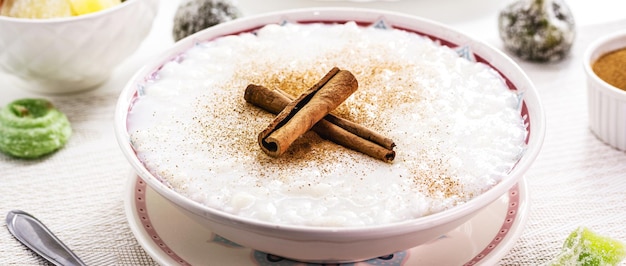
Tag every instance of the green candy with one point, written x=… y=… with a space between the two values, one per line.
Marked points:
x=585 y=248
x=31 y=128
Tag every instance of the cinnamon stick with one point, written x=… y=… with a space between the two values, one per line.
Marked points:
x=301 y=114
x=338 y=130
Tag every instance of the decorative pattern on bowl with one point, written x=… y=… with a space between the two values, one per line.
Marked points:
x=512 y=220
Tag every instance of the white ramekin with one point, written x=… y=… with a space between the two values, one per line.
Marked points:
x=607 y=104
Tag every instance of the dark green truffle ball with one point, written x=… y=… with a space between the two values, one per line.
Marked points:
x=537 y=30
x=195 y=15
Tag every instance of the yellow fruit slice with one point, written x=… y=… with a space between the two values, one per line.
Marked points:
x=36 y=8
x=81 y=7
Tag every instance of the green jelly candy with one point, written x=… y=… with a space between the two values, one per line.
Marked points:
x=586 y=248
x=31 y=128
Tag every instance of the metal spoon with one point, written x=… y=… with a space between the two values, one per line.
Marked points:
x=35 y=235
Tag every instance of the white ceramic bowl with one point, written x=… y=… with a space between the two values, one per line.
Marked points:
x=607 y=104
x=339 y=244
x=62 y=55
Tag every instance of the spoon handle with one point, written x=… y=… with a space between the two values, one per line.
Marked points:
x=35 y=235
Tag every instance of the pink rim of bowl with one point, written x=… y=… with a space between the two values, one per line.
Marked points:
x=531 y=110
x=607 y=104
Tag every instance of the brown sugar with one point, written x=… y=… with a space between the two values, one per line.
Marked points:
x=611 y=67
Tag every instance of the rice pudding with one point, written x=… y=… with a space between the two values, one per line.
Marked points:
x=456 y=124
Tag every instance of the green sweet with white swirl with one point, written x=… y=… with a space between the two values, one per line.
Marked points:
x=31 y=128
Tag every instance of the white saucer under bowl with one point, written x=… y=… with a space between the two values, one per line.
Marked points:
x=171 y=238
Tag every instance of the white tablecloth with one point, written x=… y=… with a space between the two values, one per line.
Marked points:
x=78 y=192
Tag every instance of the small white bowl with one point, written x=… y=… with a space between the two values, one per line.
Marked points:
x=62 y=55
x=607 y=104
x=339 y=244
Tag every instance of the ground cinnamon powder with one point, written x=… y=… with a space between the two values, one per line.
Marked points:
x=611 y=67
